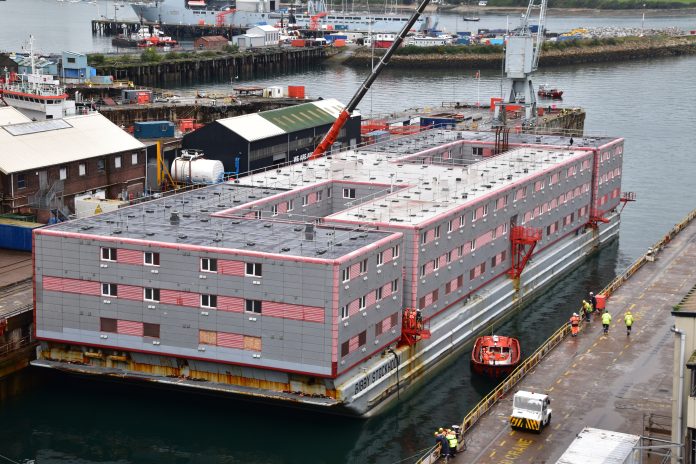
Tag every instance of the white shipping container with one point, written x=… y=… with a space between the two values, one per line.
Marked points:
x=597 y=446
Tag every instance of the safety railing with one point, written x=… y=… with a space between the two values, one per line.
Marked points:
x=431 y=456
x=554 y=340
x=14 y=346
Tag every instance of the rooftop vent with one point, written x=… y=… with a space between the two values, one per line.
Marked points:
x=174 y=218
x=251 y=244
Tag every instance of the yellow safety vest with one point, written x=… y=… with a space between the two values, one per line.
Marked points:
x=452 y=439
x=628 y=319
x=606 y=318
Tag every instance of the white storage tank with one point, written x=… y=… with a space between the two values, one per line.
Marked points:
x=192 y=168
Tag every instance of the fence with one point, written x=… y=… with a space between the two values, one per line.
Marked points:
x=13 y=346
x=518 y=374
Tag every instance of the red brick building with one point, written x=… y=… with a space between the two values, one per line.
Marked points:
x=210 y=42
x=46 y=163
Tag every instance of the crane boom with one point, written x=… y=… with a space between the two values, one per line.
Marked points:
x=333 y=132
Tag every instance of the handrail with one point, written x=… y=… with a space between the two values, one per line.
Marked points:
x=13 y=346
x=554 y=340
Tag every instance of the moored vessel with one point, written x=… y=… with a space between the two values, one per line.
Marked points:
x=495 y=355
x=550 y=92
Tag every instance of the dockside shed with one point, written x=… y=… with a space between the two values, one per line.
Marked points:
x=272 y=137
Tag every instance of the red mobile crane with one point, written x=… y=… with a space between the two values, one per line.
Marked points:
x=333 y=132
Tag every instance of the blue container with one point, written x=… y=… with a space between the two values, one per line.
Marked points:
x=534 y=28
x=497 y=41
x=463 y=41
x=438 y=122
x=153 y=129
x=464 y=34
x=341 y=27
x=15 y=236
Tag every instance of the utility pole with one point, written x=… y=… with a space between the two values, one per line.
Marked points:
x=642 y=22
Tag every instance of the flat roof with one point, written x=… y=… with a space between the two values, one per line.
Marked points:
x=151 y=221
x=31 y=145
x=11 y=115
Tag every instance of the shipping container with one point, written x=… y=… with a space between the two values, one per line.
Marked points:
x=339 y=43
x=463 y=41
x=605 y=446
x=297 y=43
x=296 y=91
x=15 y=234
x=153 y=129
x=438 y=122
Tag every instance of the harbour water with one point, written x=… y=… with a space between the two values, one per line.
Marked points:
x=650 y=103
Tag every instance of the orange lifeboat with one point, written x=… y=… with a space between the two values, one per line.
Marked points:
x=495 y=355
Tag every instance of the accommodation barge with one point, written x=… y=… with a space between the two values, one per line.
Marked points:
x=297 y=284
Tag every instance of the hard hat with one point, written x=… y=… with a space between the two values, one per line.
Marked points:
x=628 y=312
x=440 y=429
x=575 y=314
x=584 y=301
x=591 y=293
x=436 y=434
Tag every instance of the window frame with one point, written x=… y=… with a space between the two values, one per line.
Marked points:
x=212 y=301
x=344 y=312
x=154 y=294
x=118 y=162
x=111 y=254
x=82 y=169
x=134 y=159
x=155 y=258
x=62 y=173
x=109 y=289
x=212 y=262
x=345 y=274
x=253 y=305
x=349 y=191
x=253 y=269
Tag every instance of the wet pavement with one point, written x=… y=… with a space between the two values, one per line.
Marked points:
x=605 y=381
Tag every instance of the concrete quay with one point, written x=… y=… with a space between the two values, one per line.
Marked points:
x=613 y=382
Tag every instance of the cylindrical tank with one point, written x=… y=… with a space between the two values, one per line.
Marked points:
x=197 y=170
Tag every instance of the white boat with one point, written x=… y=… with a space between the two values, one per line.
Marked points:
x=247 y=13
x=39 y=96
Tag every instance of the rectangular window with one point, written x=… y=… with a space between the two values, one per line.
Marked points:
x=448 y=257
x=108 y=254
x=319 y=194
x=274 y=210
x=436 y=264
x=494 y=233
x=449 y=226
x=151 y=294
x=208 y=264
x=100 y=165
x=134 y=158
x=348 y=193
x=460 y=250
x=462 y=221
x=422 y=270
x=253 y=306
x=117 y=162
x=109 y=290
x=71 y=60
x=378 y=294
x=253 y=269
x=363 y=266
x=424 y=238
x=151 y=330
x=473 y=244
x=362 y=338
x=305 y=200
x=395 y=285
x=437 y=232
x=344 y=312
x=208 y=301
x=380 y=258
x=63 y=173
x=82 y=169
x=473 y=216
x=485 y=210
x=395 y=252
x=151 y=259
x=328 y=192
x=378 y=329
x=361 y=302
x=107 y=325
x=345 y=274
x=21 y=181
x=291 y=205
x=345 y=348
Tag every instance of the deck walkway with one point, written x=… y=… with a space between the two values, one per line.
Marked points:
x=607 y=382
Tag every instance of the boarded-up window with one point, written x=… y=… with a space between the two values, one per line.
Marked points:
x=362 y=338
x=252 y=343
x=151 y=330
x=107 y=325
x=345 y=348
x=207 y=337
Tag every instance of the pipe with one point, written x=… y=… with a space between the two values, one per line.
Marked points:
x=680 y=398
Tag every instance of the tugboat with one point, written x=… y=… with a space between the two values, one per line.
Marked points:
x=548 y=92
x=495 y=355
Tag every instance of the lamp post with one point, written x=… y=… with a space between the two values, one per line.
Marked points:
x=642 y=22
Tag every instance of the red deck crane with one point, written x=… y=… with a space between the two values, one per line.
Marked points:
x=314 y=21
x=333 y=132
x=523 y=241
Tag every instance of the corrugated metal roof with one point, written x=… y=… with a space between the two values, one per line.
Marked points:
x=10 y=115
x=251 y=126
x=331 y=106
x=299 y=117
x=597 y=446
x=87 y=136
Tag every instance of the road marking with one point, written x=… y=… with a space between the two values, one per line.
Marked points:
x=620 y=352
x=589 y=350
x=501 y=443
x=566 y=373
x=626 y=345
x=557 y=426
x=512 y=432
x=632 y=306
x=573 y=366
x=595 y=344
x=566 y=415
x=641 y=296
x=558 y=381
x=492 y=454
x=614 y=360
x=549 y=389
x=540 y=446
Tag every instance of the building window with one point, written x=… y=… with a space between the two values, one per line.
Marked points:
x=345 y=348
x=208 y=301
x=319 y=195
x=101 y=165
x=345 y=274
x=424 y=238
x=378 y=293
x=422 y=270
x=437 y=232
x=380 y=258
x=449 y=226
x=460 y=250
x=108 y=254
x=134 y=158
x=253 y=269
x=485 y=210
x=274 y=210
x=395 y=285
x=473 y=216
x=348 y=193
x=151 y=259
x=291 y=205
x=395 y=252
x=117 y=162
x=151 y=294
x=21 y=181
x=151 y=330
x=436 y=264
x=82 y=169
x=305 y=200
x=473 y=244
x=361 y=302
x=253 y=306
x=363 y=266
x=328 y=192
x=208 y=264
x=448 y=257
x=362 y=338
x=109 y=290
x=344 y=312
x=63 y=173
x=71 y=60
x=108 y=325
x=462 y=221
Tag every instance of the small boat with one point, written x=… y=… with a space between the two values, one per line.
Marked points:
x=549 y=92
x=495 y=355
x=471 y=18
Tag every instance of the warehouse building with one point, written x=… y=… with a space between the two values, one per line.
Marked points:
x=272 y=137
x=51 y=161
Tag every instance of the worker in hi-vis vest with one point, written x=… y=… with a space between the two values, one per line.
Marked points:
x=606 y=320
x=628 y=320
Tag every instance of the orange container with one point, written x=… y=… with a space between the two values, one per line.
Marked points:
x=297 y=43
x=296 y=91
x=339 y=43
x=601 y=301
